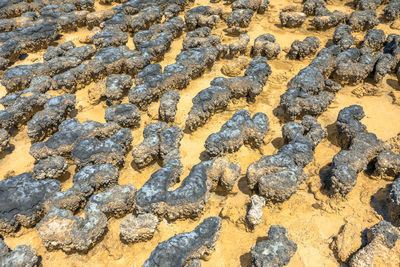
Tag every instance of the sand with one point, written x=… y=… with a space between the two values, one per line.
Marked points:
x=311 y=217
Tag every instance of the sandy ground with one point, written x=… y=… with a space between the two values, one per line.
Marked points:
x=311 y=217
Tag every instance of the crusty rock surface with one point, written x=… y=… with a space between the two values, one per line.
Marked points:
x=254 y=213
x=265 y=45
x=50 y=168
x=21 y=256
x=222 y=90
x=46 y=122
x=22 y=200
x=111 y=150
x=394 y=203
x=125 y=115
x=116 y=86
x=277 y=177
x=291 y=19
x=160 y=142
x=138 y=228
x=69 y=134
x=80 y=234
x=302 y=49
x=86 y=182
x=168 y=106
x=189 y=199
x=382 y=248
x=239 y=130
x=4 y=139
x=180 y=249
x=277 y=250
x=358 y=149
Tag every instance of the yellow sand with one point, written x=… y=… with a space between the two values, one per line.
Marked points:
x=311 y=217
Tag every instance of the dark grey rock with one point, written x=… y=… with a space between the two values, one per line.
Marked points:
x=125 y=115
x=342 y=37
x=87 y=181
x=181 y=248
x=239 y=130
x=325 y=19
x=310 y=6
x=168 y=106
x=69 y=134
x=111 y=150
x=239 y=20
x=291 y=19
x=302 y=49
x=381 y=238
x=116 y=86
x=160 y=142
x=392 y=10
x=265 y=45
x=276 y=251
x=21 y=256
x=46 y=122
x=22 y=200
x=375 y=39
x=50 y=168
x=201 y=16
x=277 y=177
x=81 y=234
x=358 y=149
x=189 y=199
x=20 y=107
x=363 y=20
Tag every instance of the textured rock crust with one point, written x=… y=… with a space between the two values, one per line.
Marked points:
x=138 y=228
x=222 y=90
x=254 y=213
x=51 y=167
x=358 y=149
x=239 y=130
x=189 y=199
x=69 y=134
x=277 y=177
x=160 y=142
x=265 y=45
x=277 y=250
x=180 y=249
x=168 y=106
x=22 y=255
x=302 y=49
x=60 y=229
x=383 y=245
x=22 y=200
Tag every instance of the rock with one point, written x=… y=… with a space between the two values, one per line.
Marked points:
x=277 y=250
x=255 y=212
x=235 y=67
x=21 y=256
x=189 y=199
x=181 y=248
x=277 y=177
x=138 y=228
x=347 y=241
x=50 y=168
x=358 y=149
x=382 y=249
x=22 y=201
x=168 y=106
x=291 y=19
x=239 y=130
x=125 y=115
